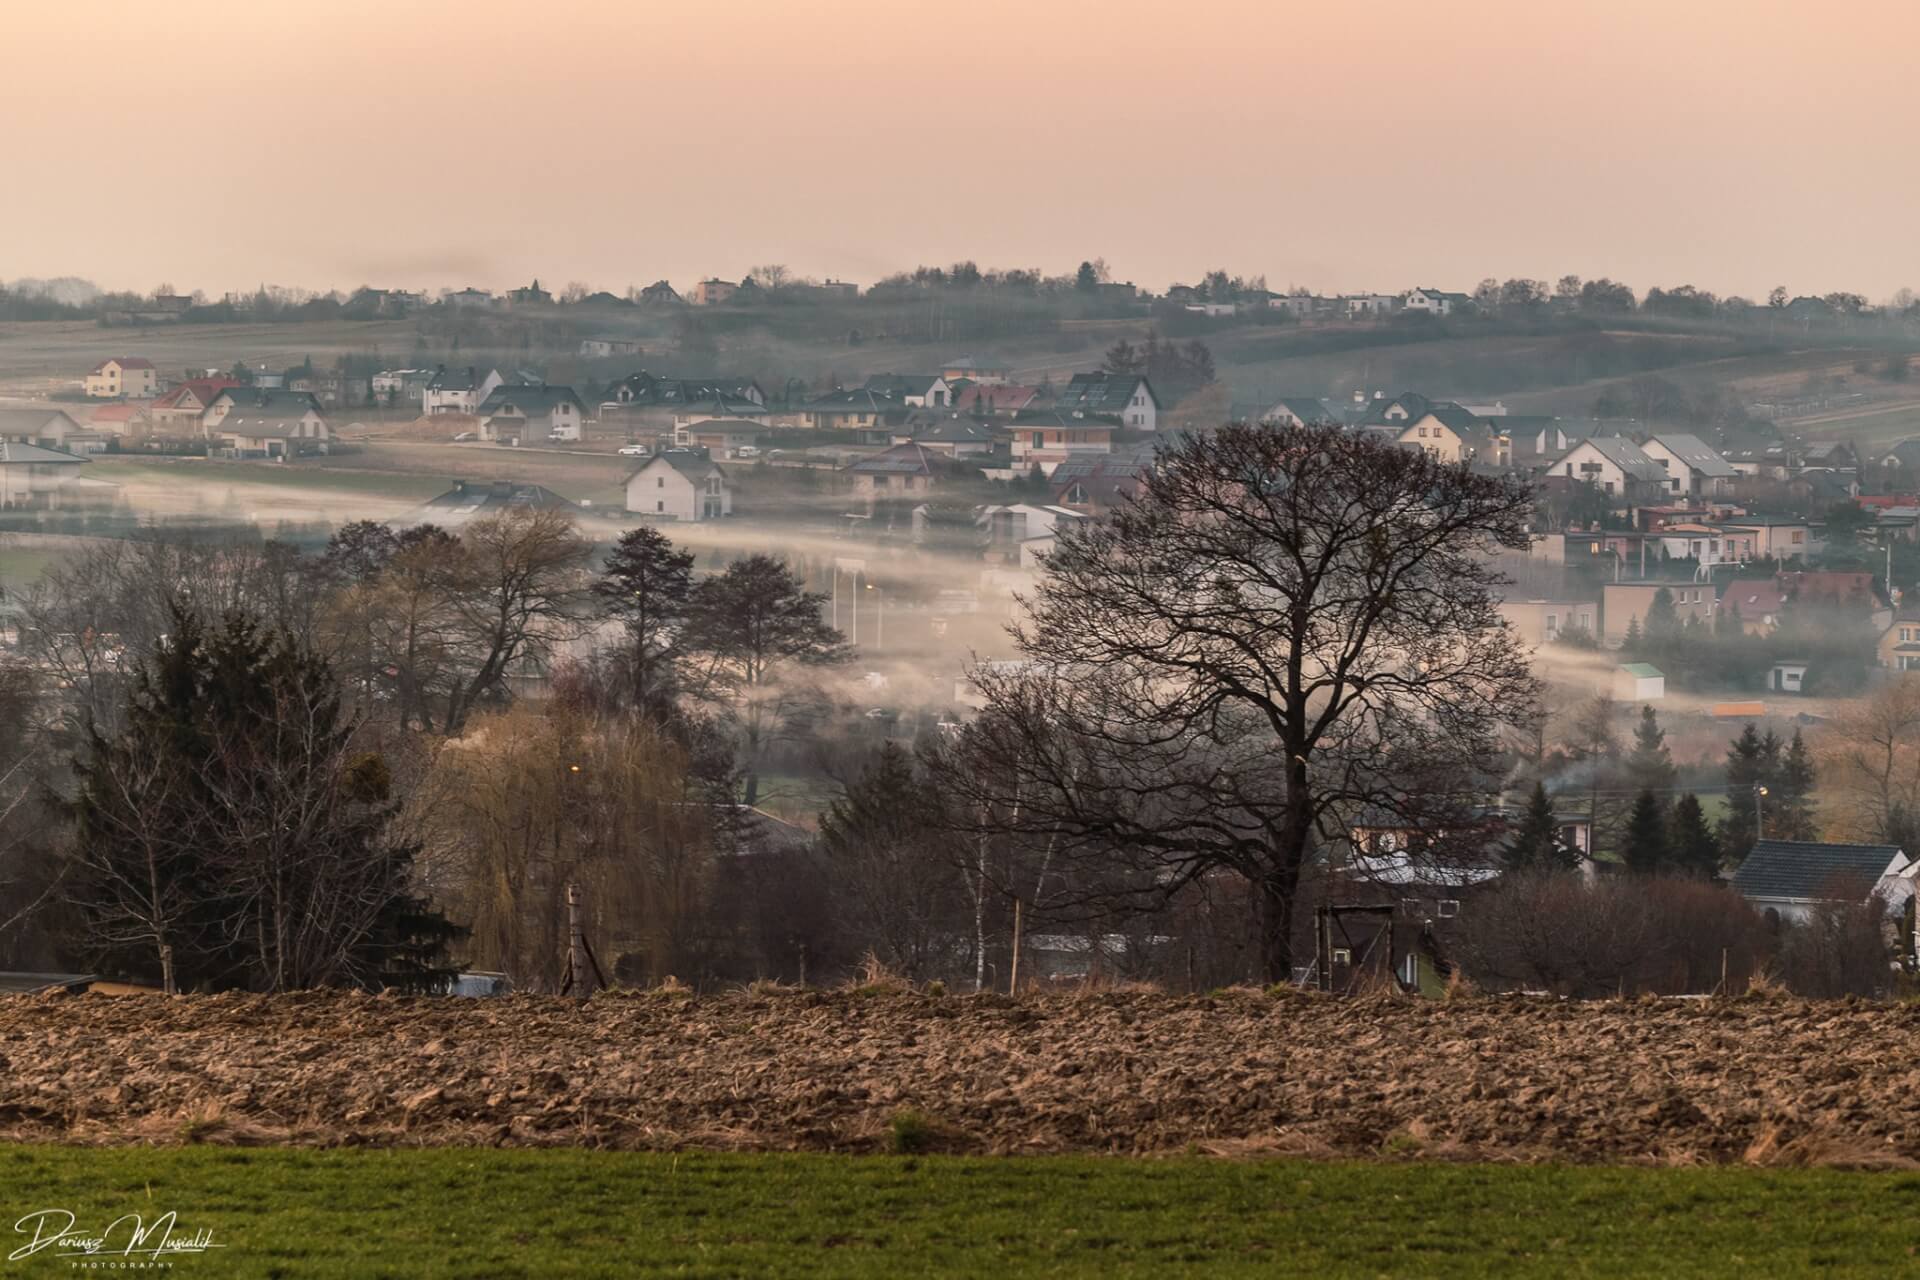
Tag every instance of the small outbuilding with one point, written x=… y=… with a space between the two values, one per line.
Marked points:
x=1792 y=877
x=1639 y=682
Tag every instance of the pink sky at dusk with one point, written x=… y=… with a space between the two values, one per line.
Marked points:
x=217 y=144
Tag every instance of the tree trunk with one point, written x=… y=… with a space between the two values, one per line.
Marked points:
x=1278 y=891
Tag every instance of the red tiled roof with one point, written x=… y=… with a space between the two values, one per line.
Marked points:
x=204 y=389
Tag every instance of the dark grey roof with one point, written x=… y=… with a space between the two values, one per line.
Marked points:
x=902 y=384
x=694 y=464
x=12 y=451
x=467 y=379
x=265 y=407
x=17 y=983
x=952 y=431
x=1695 y=452
x=902 y=459
x=472 y=498
x=32 y=422
x=529 y=400
x=1799 y=869
x=1059 y=418
x=1103 y=392
x=1626 y=455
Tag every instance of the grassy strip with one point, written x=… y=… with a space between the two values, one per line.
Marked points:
x=452 y=1212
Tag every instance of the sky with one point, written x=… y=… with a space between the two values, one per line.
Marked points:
x=1339 y=146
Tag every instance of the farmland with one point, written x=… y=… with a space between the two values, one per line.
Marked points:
x=564 y=1213
x=1758 y=1081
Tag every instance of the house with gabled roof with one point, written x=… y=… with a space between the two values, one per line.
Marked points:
x=1435 y=302
x=122 y=377
x=458 y=390
x=900 y=470
x=48 y=428
x=470 y=500
x=1453 y=434
x=953 y=436
x=994 y=398
x=1297 y=411
x=1693 y=467
x=680 y=484
x=916 y=390
x=853 y=410
x=32 y=476
x=1126 y=396
x=975 y=369
x=180 y=410
x=1046 y=437
x=1614 y=465
x=531 y=414
x=1791 y=879
x=269 y=424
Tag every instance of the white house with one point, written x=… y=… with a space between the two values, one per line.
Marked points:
x=1434 y=302
x=915 y=390
x=1694 y=468
x=1128 y=397
x=31 y=476
x=131 y=377
x=264 y=423
x=458 y=390
x=531 y=414
x=1615 y=465
x=680 y=484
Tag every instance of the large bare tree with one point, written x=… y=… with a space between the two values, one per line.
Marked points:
x=1290 y=626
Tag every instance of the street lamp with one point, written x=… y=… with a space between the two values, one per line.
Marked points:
x=879 y=617
x=1759 y=821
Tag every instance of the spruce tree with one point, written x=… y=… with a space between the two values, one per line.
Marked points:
x=1791 y=803
x=1691 y=844
x=1536 y=844
x=1746 y=771
x=1646 y=847
x=1650 y=764
x=1630 y=644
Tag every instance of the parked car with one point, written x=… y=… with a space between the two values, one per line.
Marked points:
x=465 y=436
x=747 y=451
x=633 y=451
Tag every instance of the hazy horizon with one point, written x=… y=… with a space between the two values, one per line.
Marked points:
x=442 y=144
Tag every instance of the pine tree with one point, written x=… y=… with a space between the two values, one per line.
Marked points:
x=1746 y=772
x=1630 y=644
x=1663 y=621
x=1646 y=847
x=1691 y=843
x=1792 y=799
x=1536 y=844
x=1650 y=764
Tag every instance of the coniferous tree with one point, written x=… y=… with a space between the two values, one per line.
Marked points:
x=1646 y=844
x=1791 y=803
x=1692 y=847
x=645 y=585
x=1650 y=764
x=1746 y=772
x=1633 y=641
x=230 y=835
x=1536 y=844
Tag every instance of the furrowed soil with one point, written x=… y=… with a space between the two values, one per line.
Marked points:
x=1759 y=1081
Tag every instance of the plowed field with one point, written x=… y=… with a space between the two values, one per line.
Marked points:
x=1753 y=1080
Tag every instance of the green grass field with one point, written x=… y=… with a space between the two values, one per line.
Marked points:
x=485 y=1212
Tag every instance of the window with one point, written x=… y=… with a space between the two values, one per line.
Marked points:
x=1038 y=437
x=1342 y=956
x=659 y=482
x=1449 y=908
x=660 y=506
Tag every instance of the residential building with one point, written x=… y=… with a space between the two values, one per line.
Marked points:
x=1015 y=532
x=1624 y=603
x=531 y=296
x=48 y=428
x=1615 y=465
x=1297 y=411
x=598 y=347
x=1368 y=306
x=122 y=378
x=179 y=411
x=1046 y=437
x=680 y=484
x=400 y=386
x=1779 y=537
x=954 y=437
x=974 y=369
x=1790 y=879
x=709 y=293
x=1899 y=646
x=33 y=477
x=983 y=399
x=470 y=297
x=1451 y=434
x=269 y=424
x=470 y=500
x=916 y=390
x=1538 y=622
x=901 y=470
x=1693 y=468
x=1100 y=483
x=528 y=415
x=1126 y=396
x=1758 y=603
x=1435 y=302
x=857 y=410
x=457 y=390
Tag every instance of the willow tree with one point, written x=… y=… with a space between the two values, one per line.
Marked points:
x=1288 y=628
